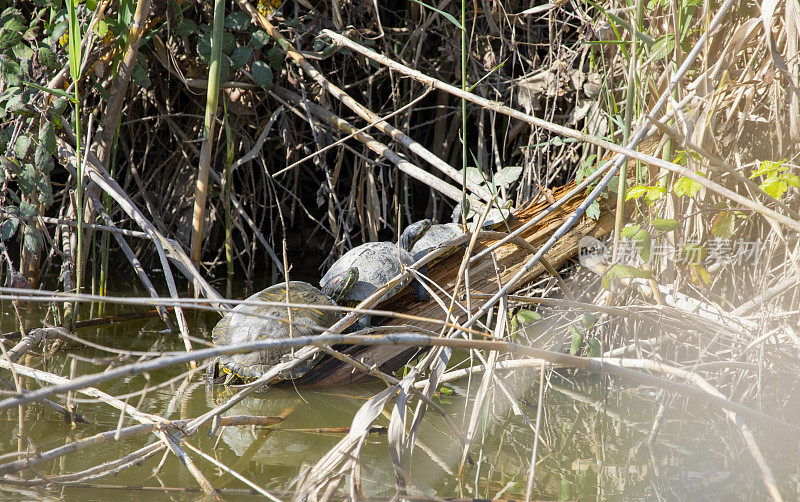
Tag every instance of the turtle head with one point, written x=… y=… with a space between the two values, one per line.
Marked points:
x=413 y=233
x=340 y=285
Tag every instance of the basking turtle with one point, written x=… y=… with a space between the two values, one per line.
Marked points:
x=377 y=263
x=440 y=234
x=249 y=323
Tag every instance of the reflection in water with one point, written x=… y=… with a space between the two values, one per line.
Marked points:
x=596 y=442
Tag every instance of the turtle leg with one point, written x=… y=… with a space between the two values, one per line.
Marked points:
x=419 y=289
x=363 y=322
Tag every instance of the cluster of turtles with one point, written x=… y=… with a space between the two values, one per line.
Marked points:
x=350 y=280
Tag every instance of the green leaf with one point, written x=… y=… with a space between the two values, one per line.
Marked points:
x=33 y=239
x=663 y=47
x=654 y=194
x=224 y=70
x=47 y=58
x=622 y=271
x=42 y=159
x=724 y=224
x=11 y=33
x=447 y=16
x=101 y=28
x=28 y=211
x=240 y=57
x=27 y=179
x=686 y=187
x=10 y=71
x=238 y=20
x=768 y=167
x=262 y=74
x=791 y=179
x=259 y=39
x=91 y=5
x=577 y=340
x=23 y=52
x=774 y=187
x=8 y=227
x=275 y=57
x=635 y=191
x=44 y=190
x=47 y=136
x=507 y=175
x=74 y=41
x=629 y=231
x=22 y=147
x=593 y=211
x=57 y=31
x=665 y=224
x=643 y=243
x=593 y=348
x=185 y=27
x=140 y=76
x=204 y=45
x=526 y=316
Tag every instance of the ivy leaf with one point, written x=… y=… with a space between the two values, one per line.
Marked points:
x=686 y=187
x=654 y=194
x=665 y=224
x=526 y=316
x=695 y=253
x=44 y=190
x=23 y=52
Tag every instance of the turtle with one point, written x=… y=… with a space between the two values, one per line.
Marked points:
x=442 y=233
x=249 y=323
x=377 y=263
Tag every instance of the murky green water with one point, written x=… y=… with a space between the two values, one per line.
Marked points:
x=594 y=437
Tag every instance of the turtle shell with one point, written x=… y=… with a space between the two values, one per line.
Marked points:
x=434 y=237
x=244 y=324
x=377 y=262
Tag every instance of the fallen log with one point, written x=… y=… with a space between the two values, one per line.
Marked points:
x=483 y=277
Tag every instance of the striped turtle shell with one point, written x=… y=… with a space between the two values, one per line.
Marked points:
x=248 y=323
x=377 y=263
